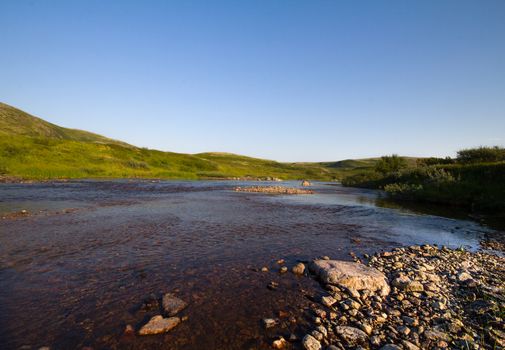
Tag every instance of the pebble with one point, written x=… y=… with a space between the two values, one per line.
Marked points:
x=404 y=330
x=298 y=269
x=273 y=285
x=328 y=300
x=129 y=330
x=464 y=276
x=279 y=343
x=269 y=322
x=311 y=343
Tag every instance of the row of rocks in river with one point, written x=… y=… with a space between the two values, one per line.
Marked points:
x=420 y=297
x=273 y=190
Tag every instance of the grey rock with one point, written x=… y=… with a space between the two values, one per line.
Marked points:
x=351 y=335
x=351 y=275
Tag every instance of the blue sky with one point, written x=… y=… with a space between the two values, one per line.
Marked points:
x=286 y=80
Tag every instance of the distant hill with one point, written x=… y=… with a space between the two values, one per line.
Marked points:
x=33 y=148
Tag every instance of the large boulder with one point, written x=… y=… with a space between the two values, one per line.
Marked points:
x=351 y=275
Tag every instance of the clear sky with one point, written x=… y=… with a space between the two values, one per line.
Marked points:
x=287 y=80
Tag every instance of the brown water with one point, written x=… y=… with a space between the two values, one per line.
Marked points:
x=75 y=278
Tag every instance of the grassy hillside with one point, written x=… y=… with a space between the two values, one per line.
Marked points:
x=32 y=148
x=14 y=122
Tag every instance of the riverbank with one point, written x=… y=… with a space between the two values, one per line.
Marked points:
x=418 y=297
x=477 y=187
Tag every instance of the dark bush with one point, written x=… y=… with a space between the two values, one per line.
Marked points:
x=389 y=164
x=482 y=155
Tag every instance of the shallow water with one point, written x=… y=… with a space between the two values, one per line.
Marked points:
x=75 y=278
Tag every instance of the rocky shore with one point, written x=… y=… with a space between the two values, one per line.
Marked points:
x=419 y=297
x=273 y=190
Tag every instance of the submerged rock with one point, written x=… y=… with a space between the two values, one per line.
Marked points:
x=158 y=324
x=150 y=303
x=351 y=275
x=172 y=305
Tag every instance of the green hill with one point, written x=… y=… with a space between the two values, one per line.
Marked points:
x=32 y=148
x=14 y=122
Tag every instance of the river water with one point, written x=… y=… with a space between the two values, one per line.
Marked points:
x=75 y=270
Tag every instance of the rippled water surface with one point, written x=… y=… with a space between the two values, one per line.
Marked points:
x=74 y=272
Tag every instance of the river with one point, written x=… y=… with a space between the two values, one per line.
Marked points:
x=76 y=268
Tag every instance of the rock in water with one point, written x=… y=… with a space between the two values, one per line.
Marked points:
x=172 y=305
x=351 y=275
x=158 y=324
x=299 y=269
x=305 y=183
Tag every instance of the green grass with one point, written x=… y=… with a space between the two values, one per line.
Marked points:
x=31 y=148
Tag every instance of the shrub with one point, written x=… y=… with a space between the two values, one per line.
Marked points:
x=434 y=161
x=482 y=155
x=402 y=188
x=363 y=179
x=389 y=164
